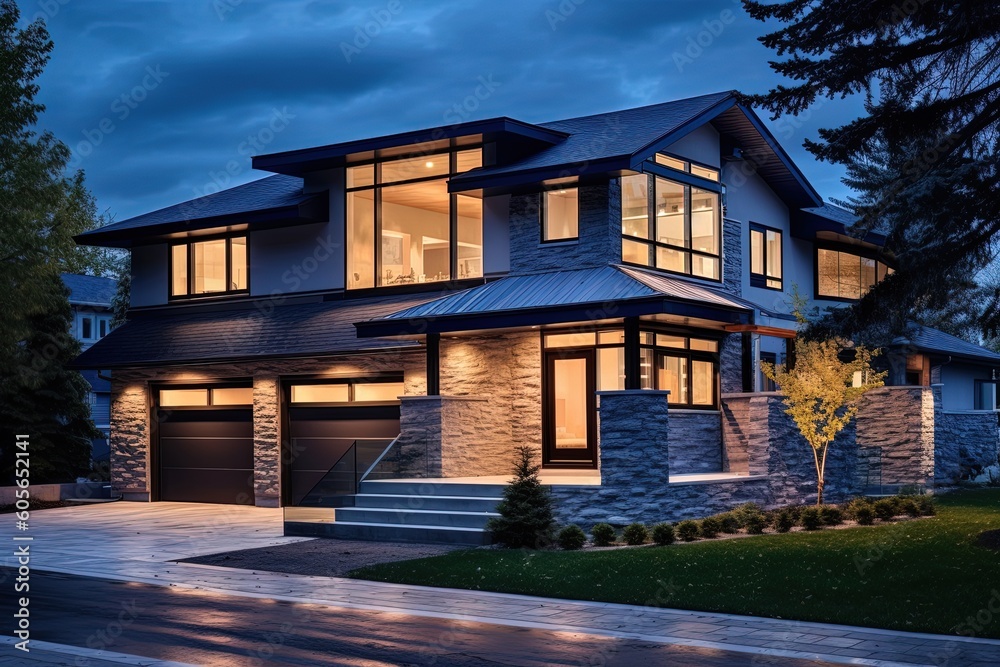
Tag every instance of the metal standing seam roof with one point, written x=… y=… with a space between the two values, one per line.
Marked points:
x=931 y=340
x=599 y=285
x=182 y=336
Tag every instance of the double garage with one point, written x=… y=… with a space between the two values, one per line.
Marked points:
x=203 y=440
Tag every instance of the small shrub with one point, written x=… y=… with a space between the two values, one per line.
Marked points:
x=755 y=522
x=571 y=537
x=603 y=534
x=526 y=511
x=857 y=503
x=831 y=515
x=728 y=523
x=746 y=510
x=909 y=507
x=811 y=518
x=885 y=508
x=926 y=505
x=783 y=521
x=663 y=534
x=687 y=530
x=864 y=514
x=635 y=534
x=710 y=527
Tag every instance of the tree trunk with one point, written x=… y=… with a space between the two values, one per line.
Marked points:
x=819 y=492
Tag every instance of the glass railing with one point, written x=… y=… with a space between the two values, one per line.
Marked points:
x=338 y=486
x=401 y=460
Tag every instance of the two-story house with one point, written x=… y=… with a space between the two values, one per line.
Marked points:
x=414 y=306
x=90 y=299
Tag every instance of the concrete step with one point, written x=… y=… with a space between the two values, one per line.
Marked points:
x=441 y=519
x=422 y=489
x=389 y=532
x=404 y=502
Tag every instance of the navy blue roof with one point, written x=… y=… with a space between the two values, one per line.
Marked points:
x=187 y=334
x=90 y=290
x=560 y=296
x=278 y=197
x=811 y=220
x=927 y=339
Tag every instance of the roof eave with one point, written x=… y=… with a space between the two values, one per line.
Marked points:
x=512 y=180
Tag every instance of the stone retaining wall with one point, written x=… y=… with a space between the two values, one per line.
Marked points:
x=965 y=442
x=695 y=441
x=900 y=420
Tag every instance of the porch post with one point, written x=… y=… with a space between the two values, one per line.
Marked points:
x=747 y=361
x=433 y=364
x=633 y=359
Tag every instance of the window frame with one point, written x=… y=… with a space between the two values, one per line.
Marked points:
x=865 y=253
x=157 y=387
x=376 y=186
x=977 y=394
x=543 y=209
x=760 y=279
x=188 y=242
x=91 y=321
x=652 y=241
x=350 y=382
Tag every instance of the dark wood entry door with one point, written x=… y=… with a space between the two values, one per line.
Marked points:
x=570 y=409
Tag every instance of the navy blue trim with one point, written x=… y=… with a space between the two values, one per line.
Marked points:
x=500 y=183
x=681 y=177
x=654 y=147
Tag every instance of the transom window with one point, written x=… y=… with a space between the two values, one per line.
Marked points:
x=845 y=275
x=214 y=266
x=670 y=226
x=346 y=392
x=670 y=162
x=200 y=397
x=404 y=227
x=686 y=367
x=765 y=257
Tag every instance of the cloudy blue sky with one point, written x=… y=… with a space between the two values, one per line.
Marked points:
x=157 y=97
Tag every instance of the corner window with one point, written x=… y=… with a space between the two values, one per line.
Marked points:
x=214 y=266
x=765 y=257
x=846 y=276
x=404 y=227
x=671 y=226
x=560 y=214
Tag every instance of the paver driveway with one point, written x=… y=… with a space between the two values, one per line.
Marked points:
x=86 y=537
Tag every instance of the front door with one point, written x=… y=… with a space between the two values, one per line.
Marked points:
x=570 y=409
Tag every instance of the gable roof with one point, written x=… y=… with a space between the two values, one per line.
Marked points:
x=184 y=335
x=931 y=340
x=267 y=200
x=607 y=292
x=90 y=290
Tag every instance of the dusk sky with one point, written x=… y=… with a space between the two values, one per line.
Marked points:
x=156 y=98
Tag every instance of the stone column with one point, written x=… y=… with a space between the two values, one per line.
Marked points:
x=130 y=438
x=633 y=446
x=900 y=420
x=266 y=442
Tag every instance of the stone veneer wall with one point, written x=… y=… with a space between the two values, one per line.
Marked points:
x=731 y=364
x=964 y=442
x=599 y=242
x=900 y=420
x=735 y=432
x=732 y=256
x=130 y=420
x=695 y=441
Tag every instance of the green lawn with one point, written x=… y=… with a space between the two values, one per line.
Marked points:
x=925 y=575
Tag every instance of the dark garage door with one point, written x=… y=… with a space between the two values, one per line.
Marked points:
x=320 y=436
x=206 y=455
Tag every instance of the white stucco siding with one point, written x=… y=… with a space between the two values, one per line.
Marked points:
x=700 y=145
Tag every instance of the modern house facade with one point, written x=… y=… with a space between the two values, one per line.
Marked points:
x=600 y=289
x=90 y=299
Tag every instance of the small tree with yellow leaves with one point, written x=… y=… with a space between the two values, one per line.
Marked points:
x=822 y=393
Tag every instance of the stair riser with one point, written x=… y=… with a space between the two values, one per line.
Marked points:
x=438 y=519
x=431 y=489
x=422 y=535
x=443 y=503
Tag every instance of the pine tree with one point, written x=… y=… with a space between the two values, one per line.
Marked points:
x=526 y=513
x=922 y=157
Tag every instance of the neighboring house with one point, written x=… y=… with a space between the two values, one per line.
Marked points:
x=601 y=289
x=90 y=299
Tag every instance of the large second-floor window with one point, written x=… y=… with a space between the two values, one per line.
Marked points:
x=670 y=226
x=845 y=275
x=765 y=257
x=404 y=227
x=213 y=266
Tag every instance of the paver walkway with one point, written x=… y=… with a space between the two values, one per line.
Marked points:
x=137 y=542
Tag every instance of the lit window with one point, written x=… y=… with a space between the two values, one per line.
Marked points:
x=765 y=257
x=402 y=233
x=232 y=396
x=203 y=397
x=670 y=226
x=561 y=215
x=846 y=275
x=170 y=398
x=685 y=166
x=320 y=393
x=216 y=266
x=378 y=391
x=346 y=392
